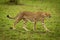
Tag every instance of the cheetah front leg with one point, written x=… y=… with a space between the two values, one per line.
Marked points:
x=24 y=25
x=34 y=28
x=43 y=24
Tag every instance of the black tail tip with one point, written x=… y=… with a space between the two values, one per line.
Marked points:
x=7 y=15
x=11 y=28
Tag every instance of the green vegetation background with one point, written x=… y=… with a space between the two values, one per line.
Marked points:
x=52 y=6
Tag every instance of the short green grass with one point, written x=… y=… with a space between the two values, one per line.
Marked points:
x=53 y=23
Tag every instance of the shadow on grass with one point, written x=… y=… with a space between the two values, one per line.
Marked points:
x=31 y=32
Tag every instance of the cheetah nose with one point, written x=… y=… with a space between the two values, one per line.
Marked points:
x=49 y=16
